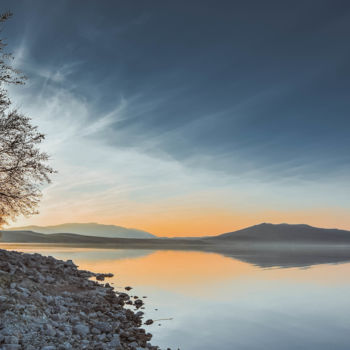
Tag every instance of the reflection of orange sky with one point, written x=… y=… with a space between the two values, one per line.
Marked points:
x=198 y=270
x=191 y=273
x=172 y=268
x=197 y=220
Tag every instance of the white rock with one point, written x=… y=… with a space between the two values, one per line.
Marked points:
x=11 y=339
x=81 y=329
x=11 y=347
x=115 y=340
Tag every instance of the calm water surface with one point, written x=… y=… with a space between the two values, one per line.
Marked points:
x=217 y=302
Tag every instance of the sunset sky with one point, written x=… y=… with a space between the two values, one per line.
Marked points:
x=188 y=117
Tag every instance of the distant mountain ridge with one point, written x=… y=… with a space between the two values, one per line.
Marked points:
x=284 y=233
x=262 y=233
x=88 y=229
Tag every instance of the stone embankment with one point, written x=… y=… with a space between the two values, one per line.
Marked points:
x=49 y=304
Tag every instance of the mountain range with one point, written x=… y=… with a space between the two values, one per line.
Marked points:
x=92 y=232
x=88 y=229
x=265 y=245
x=265 y=232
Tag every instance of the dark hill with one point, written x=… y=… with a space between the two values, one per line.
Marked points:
x=285 y=233
x=71 y=238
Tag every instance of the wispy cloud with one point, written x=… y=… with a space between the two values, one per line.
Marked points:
x=143 y=115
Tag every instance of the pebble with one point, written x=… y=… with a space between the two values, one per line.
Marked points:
x=49 y=304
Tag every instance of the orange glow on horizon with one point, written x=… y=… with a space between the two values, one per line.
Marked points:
x=196 y=221
x=209 y=221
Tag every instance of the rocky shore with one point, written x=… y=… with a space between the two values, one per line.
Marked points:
x=49 y=304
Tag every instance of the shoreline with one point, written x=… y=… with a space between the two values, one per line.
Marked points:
x=50 y=304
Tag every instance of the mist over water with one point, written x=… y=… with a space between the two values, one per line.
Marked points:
x=219 y=302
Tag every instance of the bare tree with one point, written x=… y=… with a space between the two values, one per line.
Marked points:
x=23 y=167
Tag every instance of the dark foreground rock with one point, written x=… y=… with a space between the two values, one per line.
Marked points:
x=50 y=304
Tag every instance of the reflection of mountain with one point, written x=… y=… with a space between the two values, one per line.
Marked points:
x=264 y=245
x=301 y=255
x=98 y=255
x=89 y=229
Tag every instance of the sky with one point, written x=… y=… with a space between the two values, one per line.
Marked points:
x=188 y=117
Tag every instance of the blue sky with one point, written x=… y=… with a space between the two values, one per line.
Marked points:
x=203 y=116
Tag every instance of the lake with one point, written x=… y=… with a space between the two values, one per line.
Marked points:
x=209 y=301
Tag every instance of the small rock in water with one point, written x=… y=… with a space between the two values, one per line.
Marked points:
x=100 y=277
x=138 y=303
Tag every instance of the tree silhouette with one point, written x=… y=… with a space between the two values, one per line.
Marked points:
x=23 y=167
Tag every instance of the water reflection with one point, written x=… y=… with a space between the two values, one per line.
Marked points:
x=218 y=302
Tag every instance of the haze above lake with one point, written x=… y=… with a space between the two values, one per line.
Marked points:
x=219 y=302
